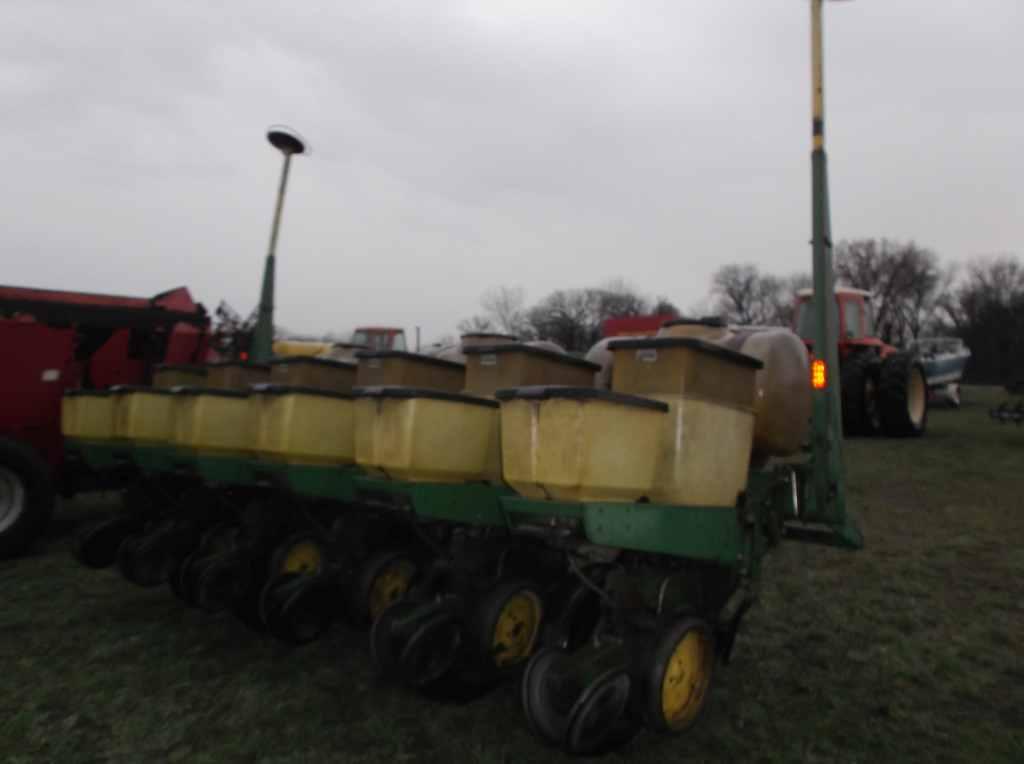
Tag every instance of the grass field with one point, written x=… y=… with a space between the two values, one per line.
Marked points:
x=911 y=650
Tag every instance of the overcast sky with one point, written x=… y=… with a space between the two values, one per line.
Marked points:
x=462 y=145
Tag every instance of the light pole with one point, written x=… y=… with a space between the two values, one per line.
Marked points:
x=288 y=142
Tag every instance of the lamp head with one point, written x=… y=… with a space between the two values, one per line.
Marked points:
x=286 y=140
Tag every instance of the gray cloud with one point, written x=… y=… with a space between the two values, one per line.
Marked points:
x=458 y=145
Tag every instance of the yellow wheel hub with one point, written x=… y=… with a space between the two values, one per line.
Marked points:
x=390 y=585
x=686 y=680
x=302 y=557
x=516 y=628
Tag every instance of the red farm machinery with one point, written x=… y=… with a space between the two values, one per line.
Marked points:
x=53 y=341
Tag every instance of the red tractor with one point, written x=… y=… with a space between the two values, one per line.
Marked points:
x=884 y=389
x=380 y=337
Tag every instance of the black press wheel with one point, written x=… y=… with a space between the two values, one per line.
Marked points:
x=382 y=581
x=431 y=651
x=97 y=547
x=387 y=641
x=183 y=580
x=222 y=580
x=147 y=559
x=273 y=596
x=679 y=675
x=549 y=692
x=508 y=623
x=903 y=396
x=150 y=564
x=597 y=721
x=221 y=537
x=301 y=552
x=297 y=608
x=126 y=554
x=144 y=500
x=576 y=614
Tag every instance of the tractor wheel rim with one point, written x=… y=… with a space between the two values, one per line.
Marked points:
x=302 y=557
x=917 y=396
x=516 y=629
x=389 y=586
x=686 y=680
x=12 y=498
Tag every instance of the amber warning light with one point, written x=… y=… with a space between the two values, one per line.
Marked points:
x=818 y=379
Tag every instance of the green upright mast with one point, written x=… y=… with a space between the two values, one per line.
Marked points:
x=828 y=492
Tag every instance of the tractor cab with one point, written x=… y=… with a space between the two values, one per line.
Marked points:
x=380 y=338
x=855 y=317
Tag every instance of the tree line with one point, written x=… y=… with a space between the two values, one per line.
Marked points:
x=914 y=295
x=570 y=317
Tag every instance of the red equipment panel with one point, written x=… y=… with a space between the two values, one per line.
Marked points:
x=116 y=340
x=38 y=364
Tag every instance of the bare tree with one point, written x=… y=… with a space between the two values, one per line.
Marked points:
x=664 y=307
x=785 y=308
x=506 y=306
x=573 y=317
x=986 y=310
x=738 y=289
x=924 y=310
x=744 y=295
x=570 y=317
x=477 y=324
x=504 y=311
x=904 y=279
x=990 y=283
x=617 y=298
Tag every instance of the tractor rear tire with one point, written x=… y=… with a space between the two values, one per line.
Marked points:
x=26 y=498
x=859 y=384
x=903 y=396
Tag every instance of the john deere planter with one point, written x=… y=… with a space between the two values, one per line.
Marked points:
x=597 y=530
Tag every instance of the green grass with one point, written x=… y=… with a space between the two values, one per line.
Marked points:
x=911 y=650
